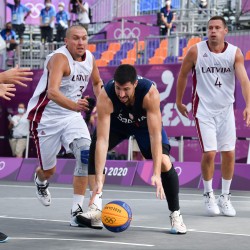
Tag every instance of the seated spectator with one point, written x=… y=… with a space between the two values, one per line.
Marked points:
x=9 y=35
x=167 y=18
x=19 y=13
x=47 y=22
x=62 y=22
x=19 y=127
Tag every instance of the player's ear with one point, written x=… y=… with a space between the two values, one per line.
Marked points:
x=135 y=84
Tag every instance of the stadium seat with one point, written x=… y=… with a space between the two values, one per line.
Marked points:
x=156 y=60
x=247 y=56
x=114 y=46
x=128 y=61
x=92 y=47
x=164 y=43
x=101 y=62
x=161 y=52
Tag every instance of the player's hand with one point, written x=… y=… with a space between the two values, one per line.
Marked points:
x=156 y=181
x=246 y=116
x=17 y=76
x=97 y=190
x=82 y=104
x=6 y=91
x=183 y=109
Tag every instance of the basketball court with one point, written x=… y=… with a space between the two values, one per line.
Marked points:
x=32 y=226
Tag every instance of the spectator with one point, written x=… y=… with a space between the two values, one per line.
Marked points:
x=62 y=22
x=9 y=36
x=47 y=22
x=19 y=13
x=82 y=11
x=167 y=18
x=19 y=127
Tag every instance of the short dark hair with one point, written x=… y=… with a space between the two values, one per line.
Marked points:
x=219 y=18
x=125 y=73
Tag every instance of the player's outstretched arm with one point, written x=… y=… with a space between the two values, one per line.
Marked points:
x=16 y=76
x=6 y=91
x=96 y=79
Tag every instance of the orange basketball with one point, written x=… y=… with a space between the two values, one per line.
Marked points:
x=116 y=216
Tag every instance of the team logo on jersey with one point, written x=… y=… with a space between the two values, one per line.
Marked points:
x=205 y=55
x=43 y=133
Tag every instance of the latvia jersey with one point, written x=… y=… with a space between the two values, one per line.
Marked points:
x=213 y=80
x=41 y=109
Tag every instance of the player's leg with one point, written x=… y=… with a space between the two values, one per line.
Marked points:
x=76 y=138
x=20 y=147
x=47 y=141
x=92 y=218
x=169 y=177
x=226 y=145
x=206 y=129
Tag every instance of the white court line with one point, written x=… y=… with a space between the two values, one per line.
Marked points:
x=119 y=191
x=78 y=240
x=132 y=226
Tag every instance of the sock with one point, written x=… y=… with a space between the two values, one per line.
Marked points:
x=170 y=183
x=208 y=186
x=77 y=199
x=90 y=193
x=98 y=201
x=226 y=186
x=40 y=182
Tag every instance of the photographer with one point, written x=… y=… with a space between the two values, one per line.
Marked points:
x=82 y=10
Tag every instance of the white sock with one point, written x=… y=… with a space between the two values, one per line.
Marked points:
x=225 y=186
x=98 y=201
x=77 y=199
x=40 y=182
x=208 y=186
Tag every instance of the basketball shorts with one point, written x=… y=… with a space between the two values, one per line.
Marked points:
x=49 y=138
x=217 y=133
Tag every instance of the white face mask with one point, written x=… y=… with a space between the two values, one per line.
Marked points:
x=168 y=3
x=60 y=8
x=20 y=110
x=48 y=5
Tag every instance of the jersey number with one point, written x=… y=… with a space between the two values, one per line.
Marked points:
x=218 y=83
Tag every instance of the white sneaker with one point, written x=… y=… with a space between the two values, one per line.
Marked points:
x=177 y=224
x=43 y=193
x=211 y=206
x=92 y=218
x=225 y=205
x=73 y=222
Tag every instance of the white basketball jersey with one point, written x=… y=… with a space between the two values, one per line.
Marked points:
x=213 y=80
x=40 y=108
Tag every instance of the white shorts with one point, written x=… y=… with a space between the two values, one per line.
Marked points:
x=217 y=133
x=49 y=138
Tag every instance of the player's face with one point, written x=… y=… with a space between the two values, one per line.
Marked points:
x=125 y=92
x=216 y=31
x=77 y=42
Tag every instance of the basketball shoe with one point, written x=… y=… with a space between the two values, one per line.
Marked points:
x=211 y=206
x=43 y=193
x=73 y=221
x=225 y=205
x=3 y=237
x=92 y=218
x=177 y=224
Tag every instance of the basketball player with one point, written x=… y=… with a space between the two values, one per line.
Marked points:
x=214 y=64
x=8 y=79
x=54 y=112
x=130 y=105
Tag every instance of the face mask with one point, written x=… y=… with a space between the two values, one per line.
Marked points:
x=48 y=5
x=20 y=110
x=60 y=8
x=168 y=3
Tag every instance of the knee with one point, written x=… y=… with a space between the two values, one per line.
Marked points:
x=209 y=156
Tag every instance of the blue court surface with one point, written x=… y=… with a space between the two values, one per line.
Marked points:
x=32 y=226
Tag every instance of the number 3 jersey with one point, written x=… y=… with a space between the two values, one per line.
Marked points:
x=40 y=108
x=213 y=80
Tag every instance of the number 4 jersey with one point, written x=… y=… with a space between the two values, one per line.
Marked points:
x=213 y=80
x=40 y=108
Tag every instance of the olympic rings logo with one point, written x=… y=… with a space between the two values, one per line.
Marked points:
x=109 y=220
x=36 y=9
x=127 y=33
x=2 y=165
